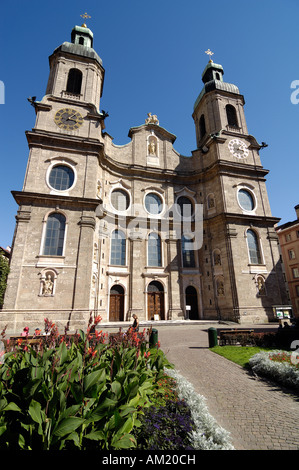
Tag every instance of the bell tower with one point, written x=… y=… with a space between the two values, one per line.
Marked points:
x=242 y=271
x=76 y=70
x=52 y=257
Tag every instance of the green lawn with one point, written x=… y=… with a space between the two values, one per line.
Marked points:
x=238 y=354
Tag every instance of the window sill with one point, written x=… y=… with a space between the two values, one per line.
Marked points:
x=257 y=268
x=47 y=261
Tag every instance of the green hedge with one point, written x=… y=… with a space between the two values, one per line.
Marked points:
x=282 y=338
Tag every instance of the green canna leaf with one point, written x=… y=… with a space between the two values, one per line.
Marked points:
x=124 y=442
x=35 y=411
x=11 y=407
x=92 y=378
x=68 y=425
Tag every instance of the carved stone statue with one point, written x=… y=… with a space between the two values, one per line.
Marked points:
x=99 y=189
x=217 y=259
x=152 y=148
x=220 y=288
x=48 y=286
x=211 y=202
x=152 y=119
x=261 y=286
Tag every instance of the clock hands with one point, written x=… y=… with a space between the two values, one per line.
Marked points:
x=237 y=148
x=70 y=117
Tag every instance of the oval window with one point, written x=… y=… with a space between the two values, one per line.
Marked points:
x=246 y=200
x=153 y=203
x=120 y=200
x=61 y=177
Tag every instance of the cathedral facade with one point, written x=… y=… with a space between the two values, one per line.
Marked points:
x=139 y=228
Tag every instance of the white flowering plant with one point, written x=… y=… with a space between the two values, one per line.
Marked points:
x=280 y=366
x=208 y=435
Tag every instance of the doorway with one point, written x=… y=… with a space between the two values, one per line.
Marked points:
x=191 y=300
x=155 y=301
x=116 y=308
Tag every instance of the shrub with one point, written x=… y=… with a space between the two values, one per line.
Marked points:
x=263 y=340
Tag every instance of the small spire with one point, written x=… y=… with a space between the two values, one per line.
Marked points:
x=85 y=17
x=209 y=53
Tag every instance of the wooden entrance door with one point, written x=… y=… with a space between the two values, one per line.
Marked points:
x=116 y=309
x=155 y=301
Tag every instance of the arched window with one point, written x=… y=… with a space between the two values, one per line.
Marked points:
x=231 y=115
x=155 y=286
x=154 y=250
x=202 y=126
x=185 y=207
x=118 y=248
x=188 y=252
x=120 y=200
x=54 y=237
x=81 y=41
x=253 y=247
x=74 y=81
x=153 y=203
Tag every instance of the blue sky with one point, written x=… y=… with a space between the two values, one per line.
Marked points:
x=153 y=53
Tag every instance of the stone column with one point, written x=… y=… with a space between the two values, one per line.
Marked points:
x=137 y=262
x=83 y=275
x=175 y=310
x=20 y=239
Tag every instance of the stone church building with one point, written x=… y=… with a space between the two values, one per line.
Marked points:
x=139 y=228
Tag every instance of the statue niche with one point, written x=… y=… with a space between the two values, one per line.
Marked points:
x=152 y=147
x=47 y=283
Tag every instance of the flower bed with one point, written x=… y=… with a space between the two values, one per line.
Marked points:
x=85 y=392
x=281 y=366
x=76 y=392
x=206 y=434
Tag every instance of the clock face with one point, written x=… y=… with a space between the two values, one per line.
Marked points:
x=238 y=148
x=68 y=119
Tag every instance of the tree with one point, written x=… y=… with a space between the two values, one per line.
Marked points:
x=4 y=270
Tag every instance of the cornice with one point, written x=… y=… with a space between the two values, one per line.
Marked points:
x=24 y=197
x=48 y=139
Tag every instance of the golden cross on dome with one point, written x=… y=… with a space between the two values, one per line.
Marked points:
x=85 y=17
x=209 y=53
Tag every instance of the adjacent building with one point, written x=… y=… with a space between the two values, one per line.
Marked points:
x=139 y=228
x=288 y=234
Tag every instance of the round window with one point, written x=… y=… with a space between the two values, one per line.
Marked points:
x=61 y=177
x=153 y=203
x=120 y=200
x=246 y=200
